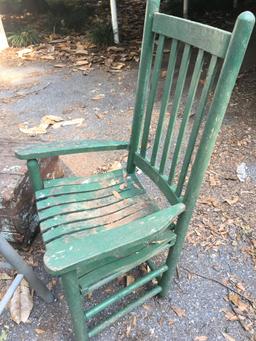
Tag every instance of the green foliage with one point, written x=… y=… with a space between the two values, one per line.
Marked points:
x=101 y=33
x=23 y=38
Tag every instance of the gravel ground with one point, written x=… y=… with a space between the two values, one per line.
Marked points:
x=217 y=253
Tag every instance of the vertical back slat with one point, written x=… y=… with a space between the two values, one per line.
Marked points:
x=226 y=82
x=143 y=79
x=222 y=93
x=192 y=155
x=165 y=99
x=229 y=72
x=176 y=103
x=152 y=94
x=191 y=95
x=198 y=118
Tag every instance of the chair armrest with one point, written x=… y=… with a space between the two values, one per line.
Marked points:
x=40 y=151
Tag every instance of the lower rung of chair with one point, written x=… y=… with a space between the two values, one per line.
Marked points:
x=124 y=292
x=153 y=267
x=156 y=290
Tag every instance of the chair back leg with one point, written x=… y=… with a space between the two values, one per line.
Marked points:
x=175 y=252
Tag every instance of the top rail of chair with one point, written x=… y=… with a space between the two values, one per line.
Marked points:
x=205 y=37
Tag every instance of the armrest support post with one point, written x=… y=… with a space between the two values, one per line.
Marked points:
x=35 y=175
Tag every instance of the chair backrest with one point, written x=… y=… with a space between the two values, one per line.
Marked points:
x=203 y=64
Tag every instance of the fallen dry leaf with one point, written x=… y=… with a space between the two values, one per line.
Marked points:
x=45 y=122
x=4 y=277
x=98 y=97
x=129 y=279
x=109 y=290
x=38 y=130
x=89 y=296
x=99 y=116
x=179 y=311
x=51 y=119
x=163 y=74
x=235 y=299
x=108 y=61
x=128 y=330
x=232 y=200
x=25 y=51
x=47 y=57
x=75 y=121
x=201 y=338
x=85 y=68
x=39 y=331
x=214 y=180
x=82 y=52
x=171 y=322
x=211 y=201
x=117 y=66
x=81 y=62
x=240 y=286
x=59 y=65
x=116 y=49
x=228 y=337
x=146 y=306
x=161 y=321
x=21 y=303
x=230 y=316
x=134 y=321
x=115 y=165
x=144 y=268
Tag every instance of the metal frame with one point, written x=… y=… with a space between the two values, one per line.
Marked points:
x=23 y=270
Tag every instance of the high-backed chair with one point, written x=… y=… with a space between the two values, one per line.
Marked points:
x=97 y=228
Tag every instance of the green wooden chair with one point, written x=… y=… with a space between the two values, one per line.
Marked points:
x=96 y=229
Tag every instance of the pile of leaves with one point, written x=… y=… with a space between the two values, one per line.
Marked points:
x=79 y=53
x=81 y=47
x=242 y=309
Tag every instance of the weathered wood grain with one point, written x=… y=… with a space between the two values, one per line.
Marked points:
x=210 y=39
x=67 y=147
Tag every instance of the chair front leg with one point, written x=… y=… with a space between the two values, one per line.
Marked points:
x=74 y=300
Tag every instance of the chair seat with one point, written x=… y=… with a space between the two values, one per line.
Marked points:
x=87 y=219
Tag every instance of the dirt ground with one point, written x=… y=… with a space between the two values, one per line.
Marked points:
x=213 y=294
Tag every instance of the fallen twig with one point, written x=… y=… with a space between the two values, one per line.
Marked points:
x=33 y=91
x=21 y=94
x=220 y=283
x=243 y=325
